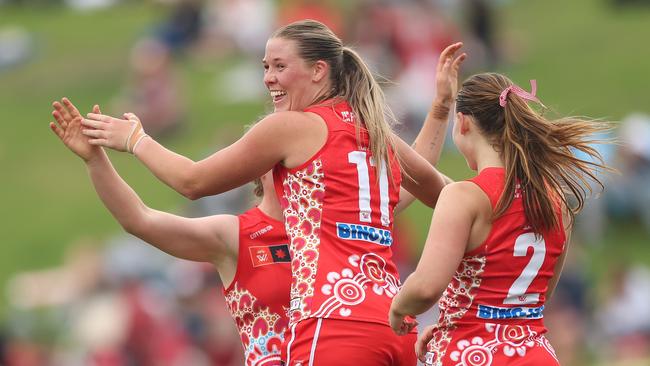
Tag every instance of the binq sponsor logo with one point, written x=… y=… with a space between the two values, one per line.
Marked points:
x=364 y=233
x=493 y=312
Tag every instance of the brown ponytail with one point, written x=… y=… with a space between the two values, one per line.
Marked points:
x=538 y=153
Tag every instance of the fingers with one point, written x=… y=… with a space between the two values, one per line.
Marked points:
x=448 y=53
x=94 y=133
x=61 y=115
x=71 y=108
x=102 y=117
x=57 y=130
x=459 y=60
x=62 y=124
x=93 y=123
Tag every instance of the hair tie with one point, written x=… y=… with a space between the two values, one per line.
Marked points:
x=503 y=98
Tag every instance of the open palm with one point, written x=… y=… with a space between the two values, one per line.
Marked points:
x=447 y=72
x=68 y=128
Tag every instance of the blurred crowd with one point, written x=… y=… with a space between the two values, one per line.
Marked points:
x=123 y=303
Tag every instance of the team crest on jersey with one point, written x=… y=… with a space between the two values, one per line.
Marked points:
x=265 y=255
x=364 y=233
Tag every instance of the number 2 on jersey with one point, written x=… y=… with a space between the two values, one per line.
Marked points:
x=517 y=294
x=359 y=159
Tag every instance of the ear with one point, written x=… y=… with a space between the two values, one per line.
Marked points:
x=320 y=70
x=464 y=123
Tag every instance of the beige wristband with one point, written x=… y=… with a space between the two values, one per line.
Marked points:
x=136 y=136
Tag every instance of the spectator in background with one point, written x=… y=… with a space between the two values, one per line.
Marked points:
x=623 y=319
x=183 y=25
x=629 y=196
x=481 y=23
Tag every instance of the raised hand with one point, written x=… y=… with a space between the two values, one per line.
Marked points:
x=68 y=129
x=117 y=134
x=447 y=73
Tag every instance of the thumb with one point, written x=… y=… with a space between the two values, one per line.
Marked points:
x=96 y=109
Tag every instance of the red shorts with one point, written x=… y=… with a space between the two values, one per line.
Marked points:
x=326 y=342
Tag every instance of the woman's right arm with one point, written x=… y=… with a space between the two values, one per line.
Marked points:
x=270 y=141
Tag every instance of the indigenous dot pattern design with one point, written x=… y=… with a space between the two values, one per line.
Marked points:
x=348 y=287
x=455 y=302
x=501 y=343
x=302 y=204
x=261 y=330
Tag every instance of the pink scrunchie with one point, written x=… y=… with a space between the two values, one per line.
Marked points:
x=503 y=98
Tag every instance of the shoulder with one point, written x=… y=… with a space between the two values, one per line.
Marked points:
x=290 y=119
x=286 y=125
x=464 y=194
x=462 y=190
x=225 y=229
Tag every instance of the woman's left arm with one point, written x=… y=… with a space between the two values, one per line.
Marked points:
x=445 y=246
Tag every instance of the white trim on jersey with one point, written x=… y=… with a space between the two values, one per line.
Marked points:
x=314 y=342
x=293 y=337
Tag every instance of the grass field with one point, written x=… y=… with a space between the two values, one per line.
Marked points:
x=588 y=59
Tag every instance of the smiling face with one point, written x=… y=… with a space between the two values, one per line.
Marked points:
x=292 y=81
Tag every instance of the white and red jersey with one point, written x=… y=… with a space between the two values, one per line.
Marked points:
x=492 y=311
x=258 y=296
x=338 y=208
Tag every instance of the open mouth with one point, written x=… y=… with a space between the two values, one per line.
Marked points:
x=277 y=95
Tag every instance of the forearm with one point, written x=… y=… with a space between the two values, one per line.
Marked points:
x=118 y=197
x=431 y=138
x=171 y=168
x=415 y=297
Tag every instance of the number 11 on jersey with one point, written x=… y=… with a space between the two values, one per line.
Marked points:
x=359 y=158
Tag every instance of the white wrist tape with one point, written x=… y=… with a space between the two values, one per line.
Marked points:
x=136 y=135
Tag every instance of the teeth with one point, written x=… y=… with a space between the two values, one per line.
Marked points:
x=277 y=93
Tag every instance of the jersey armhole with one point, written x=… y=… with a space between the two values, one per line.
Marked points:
x=482 y=248
x=240 y=255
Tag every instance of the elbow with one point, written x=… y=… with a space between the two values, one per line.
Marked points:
x=428 y=293
x=135 y=225
x=191 y=193
x=191 y=188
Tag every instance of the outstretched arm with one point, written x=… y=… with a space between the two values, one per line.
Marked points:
x=431 y=138
x=253 y=155
x=210 y=239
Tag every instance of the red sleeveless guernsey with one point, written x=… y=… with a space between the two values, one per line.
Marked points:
x=492 y=311
x=338 y=209
x=258 y=296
